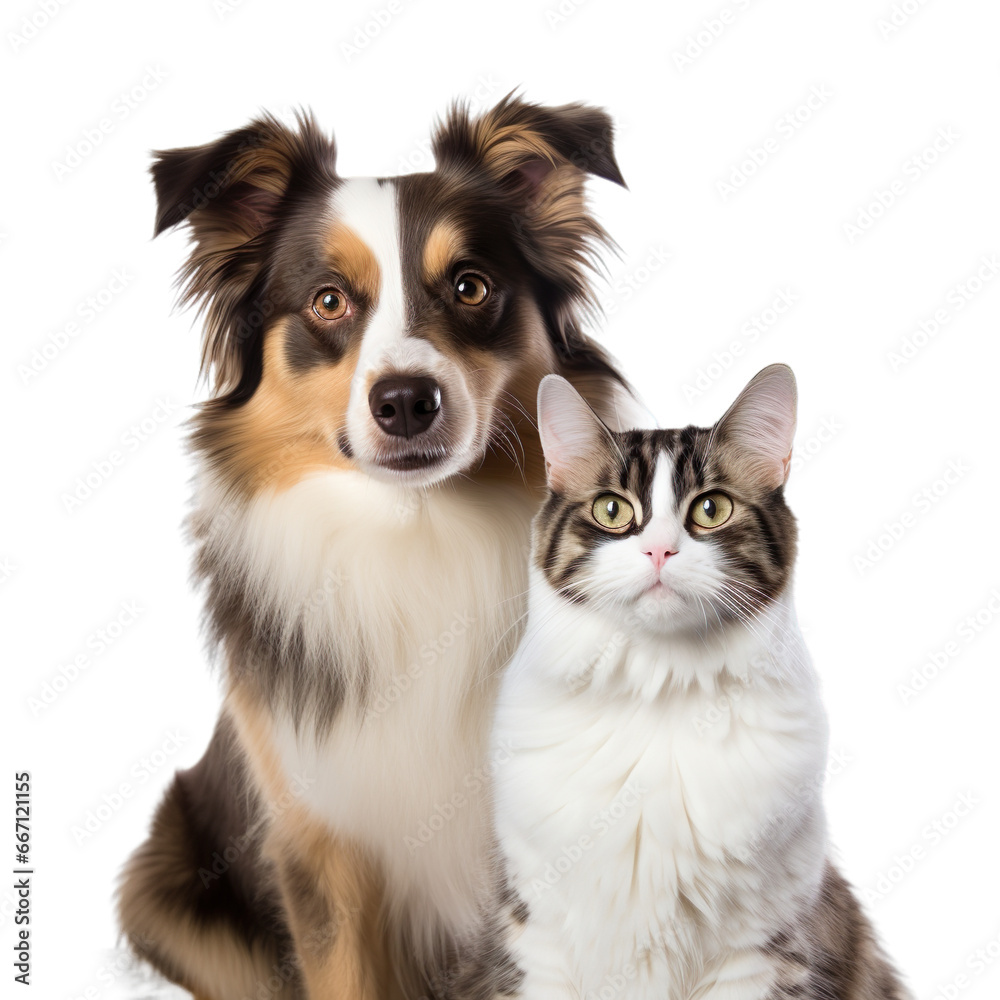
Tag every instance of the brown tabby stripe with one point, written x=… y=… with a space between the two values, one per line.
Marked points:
x=831 y=952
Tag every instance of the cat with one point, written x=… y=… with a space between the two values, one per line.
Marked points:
x=659 y=731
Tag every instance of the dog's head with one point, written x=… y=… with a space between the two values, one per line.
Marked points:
x=397 y=325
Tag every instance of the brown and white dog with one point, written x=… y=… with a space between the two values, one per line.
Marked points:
x=368 y=472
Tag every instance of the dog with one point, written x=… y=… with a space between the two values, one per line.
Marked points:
x=369 y=468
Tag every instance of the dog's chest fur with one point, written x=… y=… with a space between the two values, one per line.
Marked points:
x=410 y=605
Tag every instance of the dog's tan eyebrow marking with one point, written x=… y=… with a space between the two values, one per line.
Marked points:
x=443 y=246
x=351 y=256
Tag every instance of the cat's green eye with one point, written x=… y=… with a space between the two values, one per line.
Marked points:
x=711 y=509
x=613 y=512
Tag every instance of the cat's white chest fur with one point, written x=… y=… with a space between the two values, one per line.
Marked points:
x=660 y=805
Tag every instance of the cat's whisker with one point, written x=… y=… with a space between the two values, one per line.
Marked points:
x=748 y=620
x=733 y=601
x=734 y=589
x=704 y=613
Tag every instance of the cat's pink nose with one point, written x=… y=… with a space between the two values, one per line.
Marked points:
x=659 y=555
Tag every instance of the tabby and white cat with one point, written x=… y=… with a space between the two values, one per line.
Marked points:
x=660 y=729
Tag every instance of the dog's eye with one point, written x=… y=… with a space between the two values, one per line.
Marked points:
x=471 y=289
x=331 y=303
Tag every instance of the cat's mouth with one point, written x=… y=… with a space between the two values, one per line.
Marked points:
x=658 y=598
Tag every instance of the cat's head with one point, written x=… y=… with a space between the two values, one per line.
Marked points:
x=680 y=530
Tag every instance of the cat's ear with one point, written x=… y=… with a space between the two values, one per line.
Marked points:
x=757 y=430
x=574 y=438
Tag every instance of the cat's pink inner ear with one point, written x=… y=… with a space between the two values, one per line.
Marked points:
x=760 y=426
x=786 y=467
x=571 y=433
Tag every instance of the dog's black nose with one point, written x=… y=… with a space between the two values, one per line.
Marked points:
x=405 y=406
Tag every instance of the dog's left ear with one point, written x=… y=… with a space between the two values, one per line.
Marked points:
x=539 y=157
x=521 y=144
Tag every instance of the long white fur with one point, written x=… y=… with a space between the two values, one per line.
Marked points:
x=427 y=588
x=660 y=808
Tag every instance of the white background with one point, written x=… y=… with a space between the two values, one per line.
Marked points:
x=872 y=435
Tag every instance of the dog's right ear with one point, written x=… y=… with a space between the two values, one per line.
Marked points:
x=230 y=193
x=240 y=178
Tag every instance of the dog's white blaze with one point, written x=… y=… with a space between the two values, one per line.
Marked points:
x=369 y=209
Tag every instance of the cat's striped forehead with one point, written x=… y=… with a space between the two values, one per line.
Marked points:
x=661 y=468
